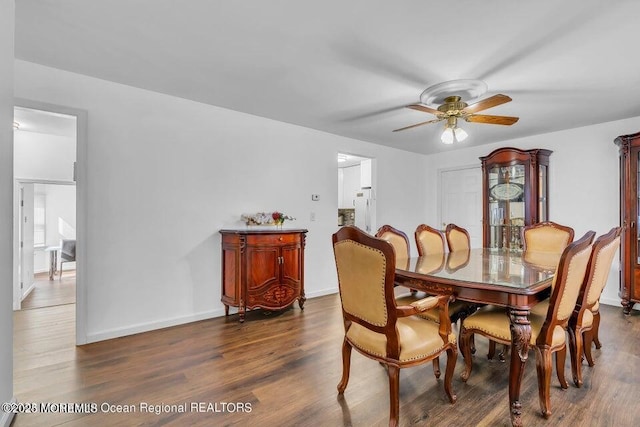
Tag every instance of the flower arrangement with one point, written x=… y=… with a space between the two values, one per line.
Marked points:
x=279 y=217
x=264 y=218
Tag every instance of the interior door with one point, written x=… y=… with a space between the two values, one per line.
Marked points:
x=461 y=201
x=26 y=238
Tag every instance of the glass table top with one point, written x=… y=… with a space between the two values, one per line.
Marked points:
x=485 y=266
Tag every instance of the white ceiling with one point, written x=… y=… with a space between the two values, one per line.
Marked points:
x=46 y=122
x=349 y=67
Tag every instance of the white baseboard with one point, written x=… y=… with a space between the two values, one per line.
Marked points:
x=152 y=326
x=7 y=417
x=166 y=323
x=28 y=291
x=322 y=293
x=614 y=302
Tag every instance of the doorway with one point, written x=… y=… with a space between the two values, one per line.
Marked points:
x=356 y=192
x=49 y=190
x=47 y=218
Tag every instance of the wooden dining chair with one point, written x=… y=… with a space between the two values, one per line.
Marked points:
x=457 y=238
x=375 y=326
x=429 y=240
x=400 y=243
x=583 y=323
x=539 y=240
x=548 y=332
x=398 y=240
x=546 y=237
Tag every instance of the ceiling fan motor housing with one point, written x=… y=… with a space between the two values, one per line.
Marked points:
x=453 y=106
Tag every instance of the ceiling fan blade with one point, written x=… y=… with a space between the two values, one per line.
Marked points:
x=492 y=101
x=418 y=124
x=492 y=120
x=424 y=109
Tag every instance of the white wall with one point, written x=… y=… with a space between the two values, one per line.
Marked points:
x=44 y=156
x=6 y=204
x=165 y=174
x=583 y=179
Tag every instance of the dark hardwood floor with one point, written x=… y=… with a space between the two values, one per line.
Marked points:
x=286 y=366
x=52 y=292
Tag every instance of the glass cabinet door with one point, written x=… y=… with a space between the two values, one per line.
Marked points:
x=542 y=194
x=506 y=205
x=515 y=194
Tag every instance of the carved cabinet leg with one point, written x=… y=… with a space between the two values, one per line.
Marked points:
x=241 y=311
x=520 y=337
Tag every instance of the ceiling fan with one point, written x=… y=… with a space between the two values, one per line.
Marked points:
x=453 y=108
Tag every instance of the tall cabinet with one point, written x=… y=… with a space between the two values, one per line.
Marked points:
x=262 y=268
x=515 y=188
x=629 y=215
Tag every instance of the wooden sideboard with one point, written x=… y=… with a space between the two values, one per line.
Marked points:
x=262 y=269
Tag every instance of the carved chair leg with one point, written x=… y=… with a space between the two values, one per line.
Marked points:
x=452 y=357
x=463 y=315
x=588 y=341
x=346 y=365
x=394 y=395
x=473 y=344
x=596 y=329
x=436 y=367
x=465 y=347
x=543 y=368
x=492 y=350
x=575 y=349
x=561 y=357
x=502 y=356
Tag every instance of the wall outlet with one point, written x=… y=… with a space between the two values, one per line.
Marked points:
x=315 y=197
x=312 y=217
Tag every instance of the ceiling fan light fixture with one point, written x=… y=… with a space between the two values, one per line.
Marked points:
x=452 y=133
x=447 y=136
x=460 y=134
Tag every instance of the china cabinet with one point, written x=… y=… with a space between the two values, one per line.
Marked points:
x=629 y=146
x=515 y=188
x=262 y=268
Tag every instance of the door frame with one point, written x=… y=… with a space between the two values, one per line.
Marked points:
x=81 y=209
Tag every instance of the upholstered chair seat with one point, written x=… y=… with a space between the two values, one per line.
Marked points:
x=419 y=339
x=493 y=321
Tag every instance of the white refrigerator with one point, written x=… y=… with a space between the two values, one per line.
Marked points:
x=363 y=203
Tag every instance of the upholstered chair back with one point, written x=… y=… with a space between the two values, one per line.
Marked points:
x=361 y=277
x=605 y=248
x=429 y=240
x=547 y=237
x=457 y=238
x=398 y=240
x=568 y=280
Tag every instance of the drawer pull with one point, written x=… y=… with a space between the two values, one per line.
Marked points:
x=280 y=238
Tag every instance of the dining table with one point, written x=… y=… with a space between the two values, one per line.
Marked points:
x=513 y=279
